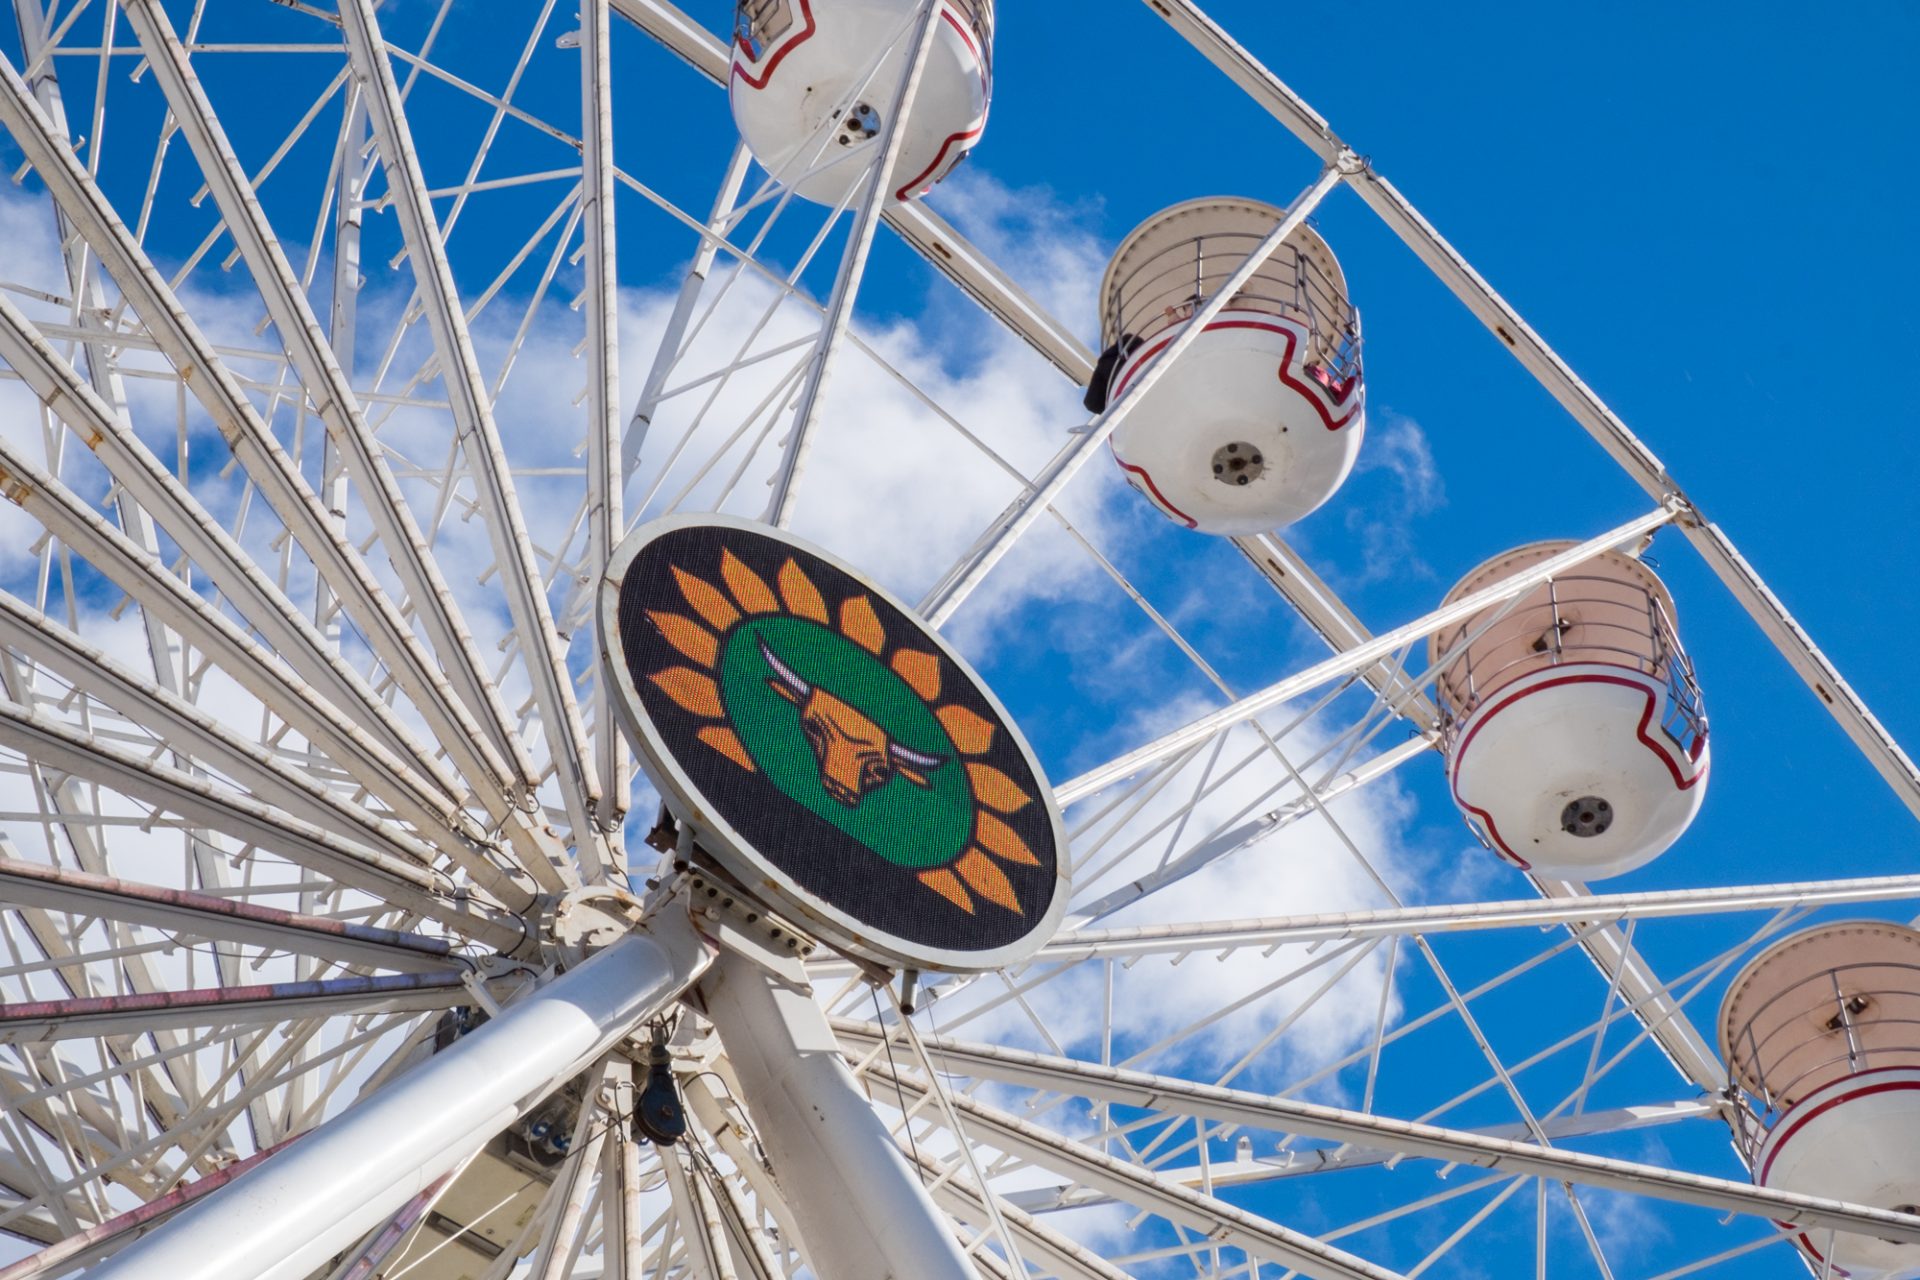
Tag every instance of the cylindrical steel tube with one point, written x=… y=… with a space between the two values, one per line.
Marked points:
x=862 y=1211
x=289 y=1216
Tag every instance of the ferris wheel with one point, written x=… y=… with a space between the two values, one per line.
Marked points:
x=547 y=733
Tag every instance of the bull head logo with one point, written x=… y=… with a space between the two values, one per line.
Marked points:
x=855 y=754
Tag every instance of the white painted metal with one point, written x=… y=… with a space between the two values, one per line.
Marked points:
x=473 y=412
x=1191 y=22
x=1358 y=658
x=809 y=76
x=294 y=1212
x=1576 y=740
x=929 y=33
x=1139 y=1089
x=1263 y=419
x=1856 y=1138
x=254 y=812
x=483 y=724
x=829 y=1150
x=606 y=518
x=993 y=545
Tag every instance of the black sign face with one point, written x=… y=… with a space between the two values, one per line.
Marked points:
x=829 y=748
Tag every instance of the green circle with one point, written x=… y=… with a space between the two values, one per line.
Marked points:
x=912 y=826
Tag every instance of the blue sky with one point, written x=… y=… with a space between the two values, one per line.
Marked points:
x=1706 y=208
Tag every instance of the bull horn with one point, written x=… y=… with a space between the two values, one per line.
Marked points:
x=786 y=674
x=913 y=759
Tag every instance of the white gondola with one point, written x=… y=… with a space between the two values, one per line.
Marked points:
x=1261 y=420
x=1575 y=735
x=812 y=80
x=1823 y=1031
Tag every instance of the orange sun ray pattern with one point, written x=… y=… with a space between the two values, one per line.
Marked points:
x=920 y=670
x=748 y=587
x=689 y=637
x=748 y=593
x=860 y=624
x=802 y=597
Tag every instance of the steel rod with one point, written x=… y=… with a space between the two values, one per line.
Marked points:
x=269 y=1003
x=544 y=657
x=1267 y=1112
x=1557 y=377
x=828 y=1149
x=327 y=383
x=947 y=596
x=1358 y=658
x=853 y=268
x=293 y=1213
x=606 y=512
x=1525 y=913
x=35 y=884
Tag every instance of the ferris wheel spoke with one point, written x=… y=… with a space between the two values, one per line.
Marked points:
x=1172 y=1096
x=606 y=515
x=1290 y=1165
x=161 y=719
x=1057 y=1253
x=702 y=1231
x=222 y=919
x=198 y=1141
x=877 y=193
x=1553 y=373
x=926 y=232
x=960 y=581
x=414 y=797
x=1586 y=909
x=1215 y=1219
x=715 y=1105
x=566 y=1208
x=1357 y=658
x=253 y=443
x=140 y=777
x=42 y=1021
x=192 y=528
x=461 y=687
x=545 y=662
x=1230 y=839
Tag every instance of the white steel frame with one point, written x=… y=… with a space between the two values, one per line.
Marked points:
x=390 y=821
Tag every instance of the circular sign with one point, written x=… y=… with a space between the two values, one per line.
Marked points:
x=831 y=751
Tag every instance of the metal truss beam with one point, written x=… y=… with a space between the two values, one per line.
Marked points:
x=199 y=915
x=44 y=1021
x=953 y=589
x=1060 y=1254
x=1553 y=373
x=91 y=1245
x=206 y=377
x=475 y=712
x=1296 y=1163
x=351 y=1174
x=1238 y=837
x=1171 y=1096
x=190 y=734
x=853 y=268
x=1358 y=658
x=1335 y=623
x=202 y=539
x=945 y=250
x=253 y=667
x=543 y=656
x=56 y=746
x=1525 y=913
x=606 y=511
x=1222 y=1223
